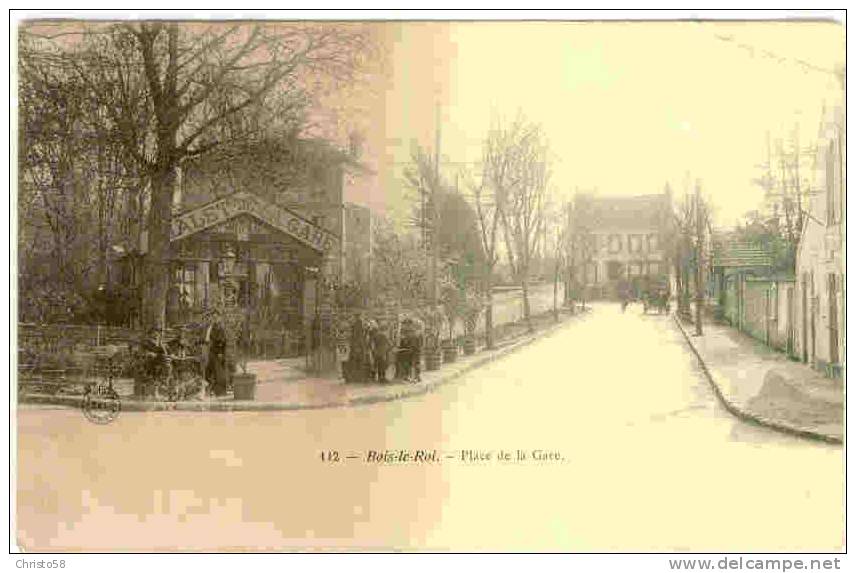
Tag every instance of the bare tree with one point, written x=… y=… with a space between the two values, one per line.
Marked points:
x=517 y=171
x=526 y=219
x=682 y=246
x=582 y=245
x=170 y=91
x=692 y=224
x=787 y=196
x=488 y=223
x=556 y=228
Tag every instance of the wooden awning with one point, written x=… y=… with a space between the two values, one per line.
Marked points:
x=242 y=202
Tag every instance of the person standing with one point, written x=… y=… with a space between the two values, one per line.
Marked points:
x=404 y=354
x=216 y=372
x=412 y=343
x=380 y=351
x=358 y=355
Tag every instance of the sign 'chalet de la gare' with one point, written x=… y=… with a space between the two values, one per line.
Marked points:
x=242 y=202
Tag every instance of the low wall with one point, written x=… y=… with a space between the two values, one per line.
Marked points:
x=60 y=337
x=763 y=312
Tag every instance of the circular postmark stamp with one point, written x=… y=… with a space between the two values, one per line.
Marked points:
x=101 y=404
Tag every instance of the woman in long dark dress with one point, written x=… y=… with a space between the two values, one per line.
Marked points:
x=216 y=371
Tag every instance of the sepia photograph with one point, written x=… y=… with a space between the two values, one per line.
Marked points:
x=429 y=282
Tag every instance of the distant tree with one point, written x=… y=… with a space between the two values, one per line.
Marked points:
x=517 y=171
x=778 y=227
x=692 y=224
x=582 y=246
x=556 y=225
x=487 y=217
x=682 y=249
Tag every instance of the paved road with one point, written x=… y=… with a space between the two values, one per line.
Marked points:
x=649 y=461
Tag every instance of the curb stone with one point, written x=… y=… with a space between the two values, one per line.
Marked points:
x=453 y=373
x=746 y=415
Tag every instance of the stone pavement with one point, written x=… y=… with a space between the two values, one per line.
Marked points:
x=762 y=385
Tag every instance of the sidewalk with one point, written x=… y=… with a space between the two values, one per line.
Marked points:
x=284 y=384
x=759 y=384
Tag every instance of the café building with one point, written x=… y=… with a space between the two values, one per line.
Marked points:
x=258 y=227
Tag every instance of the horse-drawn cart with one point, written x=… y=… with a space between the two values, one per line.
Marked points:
x=656 y=299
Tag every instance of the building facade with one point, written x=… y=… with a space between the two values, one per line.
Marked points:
x=820 y=268
x=622 y=240
x=257 y=226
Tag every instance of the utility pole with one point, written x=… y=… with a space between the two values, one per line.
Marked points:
x=434 y=252
x=699 y=274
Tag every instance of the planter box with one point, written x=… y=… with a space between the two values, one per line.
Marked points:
x=432 y=359
x=244 y=386
x=450 y=353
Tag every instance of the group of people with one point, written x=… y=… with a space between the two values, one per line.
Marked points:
x=374 y=347
x=158 y=355
x=373 y=343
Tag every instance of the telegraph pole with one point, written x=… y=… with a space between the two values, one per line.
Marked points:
x=434 y=252
x=699 y=270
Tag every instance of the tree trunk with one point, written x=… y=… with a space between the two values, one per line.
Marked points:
x=680 y=281
x=156 y=273
x=556 y=295
x=527 y=315
x=699 y=295
x=565 y=291
x=488 y=312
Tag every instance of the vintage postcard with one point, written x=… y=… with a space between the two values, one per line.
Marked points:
x=346 y=284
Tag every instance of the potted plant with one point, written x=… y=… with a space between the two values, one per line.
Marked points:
x=236 y=325
x=450 y=351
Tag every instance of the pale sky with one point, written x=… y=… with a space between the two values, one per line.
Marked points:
x=626 y=106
